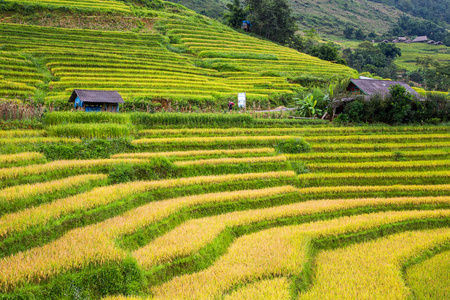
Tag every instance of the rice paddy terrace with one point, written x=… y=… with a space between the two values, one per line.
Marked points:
x=217 y=213
x=185 y=58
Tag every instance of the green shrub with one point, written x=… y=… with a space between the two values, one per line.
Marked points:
x=398 y=156
x=296 y=145
x=157 y=168
x=355 y=112
x=398 y=108
x=88 y=149
x=92 y=282
x=434 y=121
x=120 y=173
x=299 y=167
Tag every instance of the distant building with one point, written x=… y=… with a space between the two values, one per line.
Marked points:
x=402 y=39
x=88 y=100
x=420 y=39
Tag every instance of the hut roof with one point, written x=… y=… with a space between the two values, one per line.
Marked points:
x=419 y=39
x=381 y=87
x=96 y=96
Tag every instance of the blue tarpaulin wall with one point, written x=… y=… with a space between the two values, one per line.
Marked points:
x=95 y=107
x=91 y=107
x=78 y=102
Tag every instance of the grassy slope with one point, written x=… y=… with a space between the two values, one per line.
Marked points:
x=328 y=17
x=331 y=17
x=410 y=52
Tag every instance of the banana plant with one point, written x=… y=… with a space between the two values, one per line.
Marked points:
x=307 y=106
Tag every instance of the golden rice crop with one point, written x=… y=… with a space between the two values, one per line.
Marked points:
x=377 y=138
x=278 y=251
x=35 y=140
x=383 y=188
x=297 y=131
x=365 y=155
x=371 y=270
x=375 y=175
x=42 y=214
x=193 y=153
x=21 y=157
x=380 y=165
x=14 y=193
x=21 y=133
x=430 y=279
x=55 y=257
x=342 y=147
x=206 y=140
x=9 y=173
x=203 y=231
x=276 y=288
x=228 y=160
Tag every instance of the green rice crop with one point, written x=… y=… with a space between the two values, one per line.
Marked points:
x=213 y=120
x=430 y=278
x=57 y=118
x=89 y=130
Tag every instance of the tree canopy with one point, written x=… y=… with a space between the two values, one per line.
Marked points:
x=272 y=19
x=235 y=15
x=374 y=59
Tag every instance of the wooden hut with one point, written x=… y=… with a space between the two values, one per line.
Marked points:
x=89 y=100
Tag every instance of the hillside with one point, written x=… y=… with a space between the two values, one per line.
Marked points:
x=437 y=11
x=328 y=17
x=167 y=54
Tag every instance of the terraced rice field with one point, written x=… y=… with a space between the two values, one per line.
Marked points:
x=187 y=59
x=365 y=215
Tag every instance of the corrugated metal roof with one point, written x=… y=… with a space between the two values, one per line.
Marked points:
x=96 y=96
x=381 y=87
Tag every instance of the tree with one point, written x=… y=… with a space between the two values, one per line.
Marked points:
x=348 y=32
x=297 y=42
x=374 y=59
x=390 y=50
x=359 y=34
x=400 y=105
x=326 y=51
x=372 y=35
x=272 y=19
x=236 y=14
